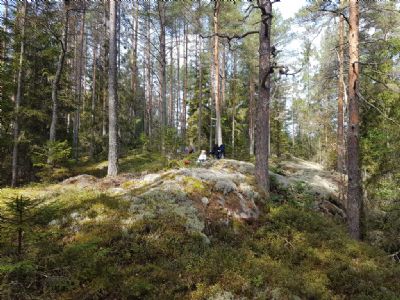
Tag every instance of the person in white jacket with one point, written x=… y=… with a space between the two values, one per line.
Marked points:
x=202 y=157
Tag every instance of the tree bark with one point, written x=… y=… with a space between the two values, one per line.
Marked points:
x=218 y=129
x=56 y=82
x=223 y=76
x=93 y=106
x=3 y=45
x=105 y=68
x=340 y=117
x=293 y=130
x=251 y=113
x=112 y=93
x=200 y=112
x=18 y=98
x=185 y=82
x=171 y=86
x=163 y=77
x=134 y=68
x=178 y=86
x=234 y=102
x=149 y=100
x=78 y=103
x=354 y=194
x=262 y=127
x=5 y=21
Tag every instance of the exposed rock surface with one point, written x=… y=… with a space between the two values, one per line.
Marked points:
x=217 y=190
x=81 y=181
x=323 y=183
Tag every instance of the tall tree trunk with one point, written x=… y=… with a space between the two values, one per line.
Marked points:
x=234 y=102
x=223 y=76
x=3 y=50
x=118 y=34
x=340 y=129
x=56 y=82
x=104 y=113
x=149 y=100
x=262 y=128
x=105 y=68
x=293 y=131
x=200 y=112
x=112 y=93
x=5 y=30
x=278 y=137
x=354 y=194
x=18 y=98
x=93 y=106
x=171 y=84
x=251 y=113
x=79 y=67
x=178 y=86
x=211 y=142
x=185 y=82
x=218 y=129
x=163 y=77
x=84 y=72
x=134 y=68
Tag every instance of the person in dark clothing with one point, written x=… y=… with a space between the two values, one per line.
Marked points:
x=221 y=152
x=191 y=149
x=214 y=151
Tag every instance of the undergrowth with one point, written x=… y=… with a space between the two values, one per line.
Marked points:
x=90 y=252
x=84 y=244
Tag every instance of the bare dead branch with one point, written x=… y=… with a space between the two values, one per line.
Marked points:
x=336 y=12
x=229 y=38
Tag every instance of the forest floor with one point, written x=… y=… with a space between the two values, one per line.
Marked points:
x=178 y=230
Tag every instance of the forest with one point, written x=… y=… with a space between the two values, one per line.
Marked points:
x=200 y=149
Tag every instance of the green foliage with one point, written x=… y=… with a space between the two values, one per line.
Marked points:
x=18 y=216
x=52 y=160
x=173 y=141
x=298 y=194
x=90 y=246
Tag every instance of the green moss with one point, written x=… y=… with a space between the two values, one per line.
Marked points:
x=194 y=185
x=101 y=250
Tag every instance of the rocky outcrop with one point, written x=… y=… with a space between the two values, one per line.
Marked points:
x=81 y=181
x=217 y=190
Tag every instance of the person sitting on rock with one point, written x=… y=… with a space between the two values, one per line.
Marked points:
x=221 y=151
x=191 y=149
x=203 y=157
x=214 y=151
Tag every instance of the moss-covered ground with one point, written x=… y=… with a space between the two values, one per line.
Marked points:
x=83 y=244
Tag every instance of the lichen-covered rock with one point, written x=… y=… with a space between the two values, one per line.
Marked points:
x=149 y=178
x=81 y=181
x=224 y=295
x=225 y=186
x=235 y=165
x=248 y=191
x=322 y=183
x=117 y=190
x=214 y=191
x=161 y=200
